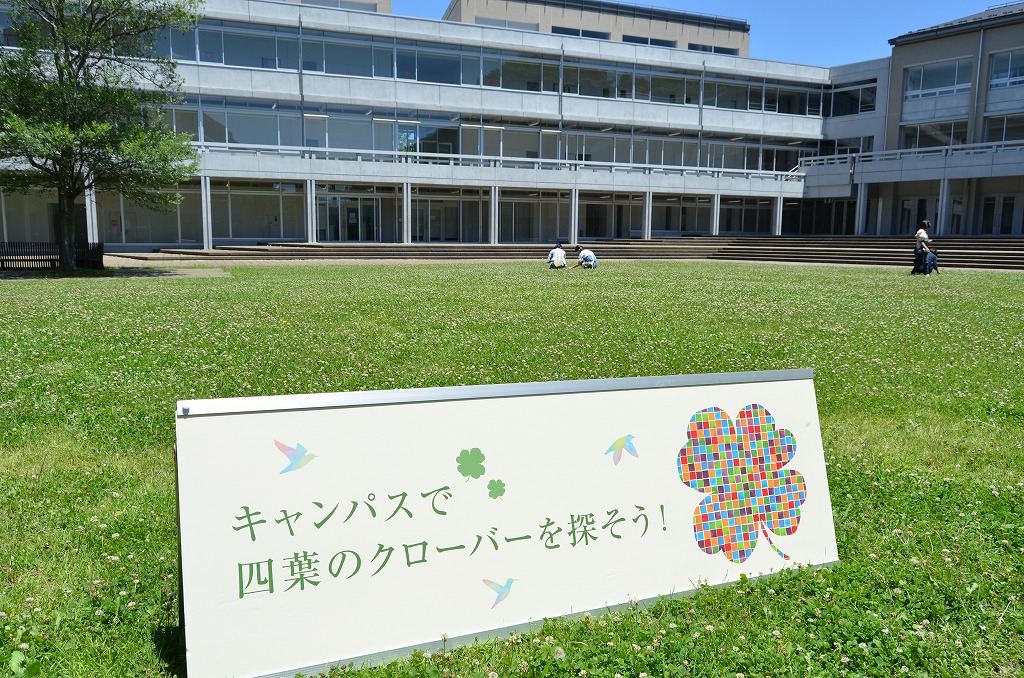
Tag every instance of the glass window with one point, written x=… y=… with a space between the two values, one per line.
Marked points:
x=1014 y=128
x=550 y=77
x=288 y=53
x=437 y=67
x=312 y=55
x=597 y=82
x=1000 y=66
x=522 y=144
x=316 y=132
x=213 y=127
x=383 y=62
x=255 y=51
x=291 y=130
x=211 y=48
x=492 y=71
x=868 y=96
x=731 y=96
x=347 y=59
x=252 y=128
x=938 y=76
x=598 y=148
x=666 y=89
x=187 y=121
x=471 y=70
x=384 y=136
x=183 y=45
x=792 y=102
x=625 y=83
x=406 y=64
x=570 y=80
x=642 y=86
x=355 y=134
x=521 y=75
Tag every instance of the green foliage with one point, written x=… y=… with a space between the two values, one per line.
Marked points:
x=74 y=99
x=471 y=463
x=919 y=383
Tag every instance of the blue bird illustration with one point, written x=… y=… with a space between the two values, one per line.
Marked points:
x=623 y=443
x=298 y=456
x=502 y=591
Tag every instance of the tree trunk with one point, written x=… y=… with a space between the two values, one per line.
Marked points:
x=66 y=230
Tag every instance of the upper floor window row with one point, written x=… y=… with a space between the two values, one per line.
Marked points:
x=936 y=80
x=714 y=49
x=271 y=47
x=1007 y=69
x=506 y=23
x=643 y=40
x=580 y=32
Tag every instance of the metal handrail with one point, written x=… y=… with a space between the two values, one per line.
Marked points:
x=459 y=160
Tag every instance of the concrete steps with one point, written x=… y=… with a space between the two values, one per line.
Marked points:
x=985 y=253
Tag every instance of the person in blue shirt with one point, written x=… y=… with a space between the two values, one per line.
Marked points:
x=587 y=259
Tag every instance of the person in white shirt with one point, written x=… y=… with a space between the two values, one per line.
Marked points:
x=556 y=257
x=925 y=260
x=587 y=259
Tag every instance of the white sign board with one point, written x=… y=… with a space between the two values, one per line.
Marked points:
x=357 y=526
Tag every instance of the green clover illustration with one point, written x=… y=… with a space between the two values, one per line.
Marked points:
x=495 y=489
x=471 y=463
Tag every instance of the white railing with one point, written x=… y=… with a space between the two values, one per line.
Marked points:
x=936 y=152
x=406 y=157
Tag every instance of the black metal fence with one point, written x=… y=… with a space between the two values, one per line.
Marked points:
x=25 y=255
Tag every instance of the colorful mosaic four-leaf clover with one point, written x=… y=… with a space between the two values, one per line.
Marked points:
x=740 y=467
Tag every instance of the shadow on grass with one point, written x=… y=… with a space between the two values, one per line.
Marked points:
x=51 y=274
x=170 y=647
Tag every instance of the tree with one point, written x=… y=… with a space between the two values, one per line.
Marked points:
x=80 y=104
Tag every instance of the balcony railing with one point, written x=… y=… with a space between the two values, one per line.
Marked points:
x=936 y=152
x=452 y=160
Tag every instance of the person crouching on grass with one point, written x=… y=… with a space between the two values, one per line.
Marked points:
x=587 y=259
x=556 y=257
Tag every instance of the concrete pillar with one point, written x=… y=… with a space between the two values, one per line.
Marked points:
x=204 y=188
x=406 y=213
x=574 y=216
x=92 y=232
x=861 y=210
x=494 y=215
x=777 y=216
x=945 y=208
x=716 y=212
x=648 y=210
x=311 y=213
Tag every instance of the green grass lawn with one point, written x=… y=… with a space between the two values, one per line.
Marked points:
x=920 y=386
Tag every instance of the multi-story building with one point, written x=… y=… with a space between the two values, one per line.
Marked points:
x=543 y=120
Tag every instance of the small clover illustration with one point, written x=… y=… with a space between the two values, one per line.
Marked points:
x=471 y=463
x=495 y=489
x=740 y=467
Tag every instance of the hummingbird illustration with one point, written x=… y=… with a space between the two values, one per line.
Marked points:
x=502 y=591
x=298 y=456
x=623 y=443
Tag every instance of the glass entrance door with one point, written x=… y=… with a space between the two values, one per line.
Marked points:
x=348 y=219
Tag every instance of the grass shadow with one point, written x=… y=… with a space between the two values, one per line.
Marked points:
x=55 y=274
x=170 y=647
